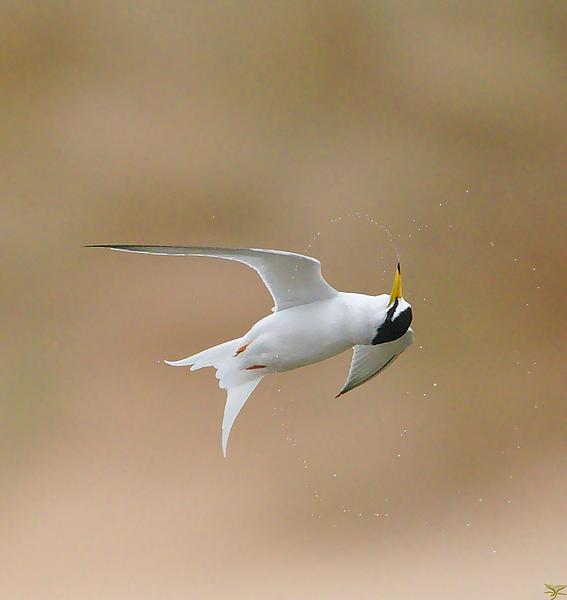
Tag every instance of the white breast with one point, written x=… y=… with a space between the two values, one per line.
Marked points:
x=313 y=332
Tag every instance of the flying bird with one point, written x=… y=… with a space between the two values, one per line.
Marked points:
x=310 y=322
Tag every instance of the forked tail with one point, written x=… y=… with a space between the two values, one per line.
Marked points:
x=238 y=383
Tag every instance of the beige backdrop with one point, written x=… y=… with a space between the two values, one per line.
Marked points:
x=312 y=127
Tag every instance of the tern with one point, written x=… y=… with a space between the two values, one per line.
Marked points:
x=310 y=322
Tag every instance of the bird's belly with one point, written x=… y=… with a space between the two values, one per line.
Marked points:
x=288 y=343
x=285 y=358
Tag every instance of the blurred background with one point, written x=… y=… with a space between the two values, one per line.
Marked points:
x=341 y=130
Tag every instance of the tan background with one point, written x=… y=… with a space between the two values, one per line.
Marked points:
x=262 y=123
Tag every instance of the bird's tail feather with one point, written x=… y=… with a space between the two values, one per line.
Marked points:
x=238 y=383
x=207 y=358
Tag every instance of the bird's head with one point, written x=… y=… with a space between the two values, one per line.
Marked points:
x=398 y=315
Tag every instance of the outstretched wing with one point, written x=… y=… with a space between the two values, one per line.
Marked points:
x=368 y=361
x=292 y=279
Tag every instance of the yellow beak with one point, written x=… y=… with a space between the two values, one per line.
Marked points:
x=397 y=287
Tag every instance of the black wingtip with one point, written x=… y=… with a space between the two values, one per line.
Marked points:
x=399 y=269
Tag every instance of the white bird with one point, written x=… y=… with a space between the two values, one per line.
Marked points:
x=310 y=322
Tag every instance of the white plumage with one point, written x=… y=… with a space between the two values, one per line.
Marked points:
x=310 y=322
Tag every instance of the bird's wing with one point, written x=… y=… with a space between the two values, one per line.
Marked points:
x=292 y=279
x=368 y=361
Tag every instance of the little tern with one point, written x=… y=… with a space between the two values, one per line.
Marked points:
x=310 y=322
